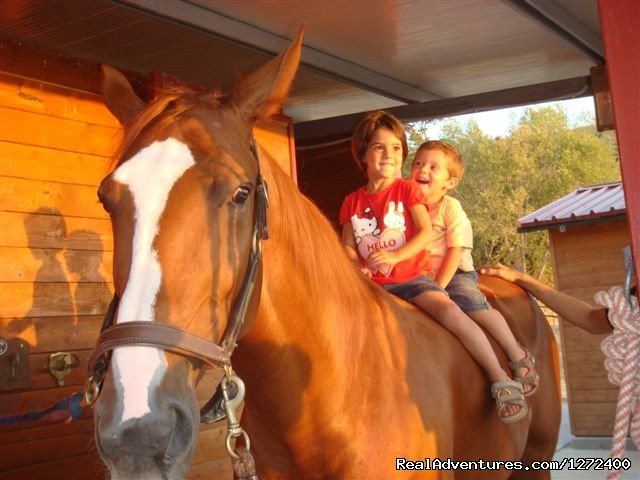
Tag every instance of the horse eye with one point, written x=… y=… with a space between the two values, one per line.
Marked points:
x=241 y=194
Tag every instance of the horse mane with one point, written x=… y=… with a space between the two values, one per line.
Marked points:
x=299 y=226
x=317 y=254
x=177 y=99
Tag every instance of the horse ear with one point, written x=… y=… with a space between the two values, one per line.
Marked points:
x=119 y=96
x=263 y=92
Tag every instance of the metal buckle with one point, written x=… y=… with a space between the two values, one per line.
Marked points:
x=231 y=404
x=91 y=390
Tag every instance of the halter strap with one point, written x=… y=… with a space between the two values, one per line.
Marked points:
x=260 y=231
x=167 y=337
x=176 y=340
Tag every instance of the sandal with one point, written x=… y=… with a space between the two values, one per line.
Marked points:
x=506 y=393
x=531 y=379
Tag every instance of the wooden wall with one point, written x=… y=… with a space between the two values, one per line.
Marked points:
x=275 y=138
x=56 y=142
x=327 y=173
x=588 y=259
x=56 y=252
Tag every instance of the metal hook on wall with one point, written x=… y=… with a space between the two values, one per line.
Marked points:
x=60 y=365
x=15 y=372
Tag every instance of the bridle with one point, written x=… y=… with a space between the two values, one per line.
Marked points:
x=177 y=340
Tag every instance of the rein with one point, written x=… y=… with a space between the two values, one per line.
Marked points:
x=181 y=342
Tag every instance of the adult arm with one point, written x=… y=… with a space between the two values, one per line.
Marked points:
x=581 y=314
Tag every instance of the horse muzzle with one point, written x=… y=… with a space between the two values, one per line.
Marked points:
x=158 y=445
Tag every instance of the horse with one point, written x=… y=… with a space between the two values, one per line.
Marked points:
x=343 y=380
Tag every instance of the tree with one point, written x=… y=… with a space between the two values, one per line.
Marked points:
x=540 y=160
x=416 y=134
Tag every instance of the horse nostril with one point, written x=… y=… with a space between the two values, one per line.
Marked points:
x=182 y=436
x=161 y=442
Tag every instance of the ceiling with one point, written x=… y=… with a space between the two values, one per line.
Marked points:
x=358 y=55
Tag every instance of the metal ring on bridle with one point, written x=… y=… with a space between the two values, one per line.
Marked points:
x=91 y=390
x=230 y=450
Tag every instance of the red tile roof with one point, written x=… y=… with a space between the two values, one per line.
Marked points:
x=583 y=205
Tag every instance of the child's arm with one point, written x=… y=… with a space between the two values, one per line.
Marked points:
x=349 y=243
x=459 y=233
x=450 y=263
x=413 y=246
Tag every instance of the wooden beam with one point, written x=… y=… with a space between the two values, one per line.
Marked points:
x=557 y=20
x=43 y=65
x=208 y=21
x=619 y=22
x=308 y=133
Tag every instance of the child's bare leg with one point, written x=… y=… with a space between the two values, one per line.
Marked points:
x=449 y=315
x=494 y=323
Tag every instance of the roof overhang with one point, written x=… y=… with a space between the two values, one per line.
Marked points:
x=420 y=59
x=585 y=205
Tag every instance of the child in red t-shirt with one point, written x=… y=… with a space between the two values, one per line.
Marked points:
x=386 y=229
x=386 y=222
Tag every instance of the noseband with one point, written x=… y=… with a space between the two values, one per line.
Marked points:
x=177 y=340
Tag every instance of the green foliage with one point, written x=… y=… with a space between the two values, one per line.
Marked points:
x=416 y=134
x=541 y=159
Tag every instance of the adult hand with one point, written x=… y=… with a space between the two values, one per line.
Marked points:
x=576 y=311
x=499 y=270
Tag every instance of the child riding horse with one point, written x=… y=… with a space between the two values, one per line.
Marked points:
x=342 y=379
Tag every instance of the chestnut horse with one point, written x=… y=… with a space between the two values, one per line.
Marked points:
x=342 y=379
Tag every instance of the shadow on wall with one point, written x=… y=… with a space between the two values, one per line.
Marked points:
x=84 y=268
x=67 y=277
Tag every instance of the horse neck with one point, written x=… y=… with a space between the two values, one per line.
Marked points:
x=315 y=306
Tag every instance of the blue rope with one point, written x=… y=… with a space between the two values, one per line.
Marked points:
x=72 y=403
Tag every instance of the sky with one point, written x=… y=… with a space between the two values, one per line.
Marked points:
x=497 y=122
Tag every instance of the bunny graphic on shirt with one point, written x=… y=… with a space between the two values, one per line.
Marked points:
x=394 y=218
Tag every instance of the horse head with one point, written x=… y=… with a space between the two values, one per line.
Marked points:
x=182 y=202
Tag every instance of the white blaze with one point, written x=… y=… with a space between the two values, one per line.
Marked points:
x=149 y=175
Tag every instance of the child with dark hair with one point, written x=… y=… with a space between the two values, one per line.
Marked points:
x=386 y=230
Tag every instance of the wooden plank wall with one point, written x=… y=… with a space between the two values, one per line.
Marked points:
x=275 y=138
x=588 y=259
x=56 y=140
x=327 y=173
x=56 y=250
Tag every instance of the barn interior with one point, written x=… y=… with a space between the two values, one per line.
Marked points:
x=418 y=59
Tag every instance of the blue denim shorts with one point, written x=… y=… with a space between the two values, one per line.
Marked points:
x=463 y=289
x=414 y=287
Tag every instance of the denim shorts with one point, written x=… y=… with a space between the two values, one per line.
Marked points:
x=414 y=287
x=463 y=289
